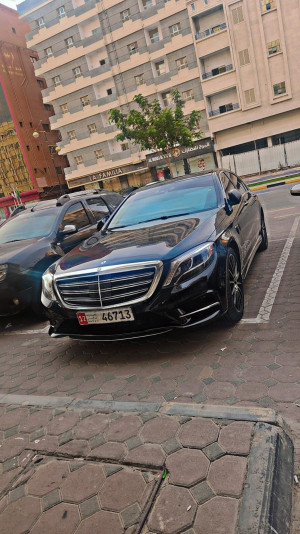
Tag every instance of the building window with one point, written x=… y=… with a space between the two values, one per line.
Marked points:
x=279 y=88
x=45 y=127
x=102 y=62
x=21 y=124
x=41 y=22
x=77 y=72
x=109 y=91
x=33 y=59
x=92 y=128
x=167 y=98
x=30 y=124
x=244 y=57
x=52 y=149
x=193 y=7
x=47 y=107
x=225 y=108
x=96 y=30
x=249 y=96
x=206 y=2
x=58 y=170
x=99 y=154
x=187 y=95
x=237 y=15
x=64 y=108
x=124 y=146
x=147 y=4
x=71 y=134
x=154 y=35
x=78 y=160
x=69 y=42
x=28 y=148
x=61 y=12
x=56 y=80
x=40 y=83
x=266 y=5
x=181 y=63
x=139 y=80
x=175 y=29
x=13 y=30
x=133 y=49
x=160 y=68
x=85 y=100
x=274 y=47
x=48 y=51
x=125 y=15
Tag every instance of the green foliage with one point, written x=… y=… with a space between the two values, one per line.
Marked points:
x=155 y=128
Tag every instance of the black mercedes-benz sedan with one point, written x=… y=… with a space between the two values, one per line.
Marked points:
x=173 y=255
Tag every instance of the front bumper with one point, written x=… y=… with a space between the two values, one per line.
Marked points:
x=170 y=308
x=13 y=297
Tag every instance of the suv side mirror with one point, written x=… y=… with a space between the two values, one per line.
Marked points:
x=102 y=222
x=295 y=190
x=234 y=197
x=69 y=229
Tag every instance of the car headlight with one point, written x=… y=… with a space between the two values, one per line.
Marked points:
x=47 y=284
x=190 y=264
x=3 y=271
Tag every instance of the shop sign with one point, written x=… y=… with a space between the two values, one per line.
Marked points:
x=107 y=174
x=178 y=153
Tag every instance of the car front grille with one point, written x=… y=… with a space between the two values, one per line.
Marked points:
x=108 y=288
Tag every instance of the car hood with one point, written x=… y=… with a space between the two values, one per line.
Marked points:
x=20 y=253
x=156 y=240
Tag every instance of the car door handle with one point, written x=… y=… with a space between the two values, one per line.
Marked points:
x=237 y=228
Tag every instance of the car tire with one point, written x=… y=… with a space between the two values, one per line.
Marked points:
x=264 y=236
x=234 y=288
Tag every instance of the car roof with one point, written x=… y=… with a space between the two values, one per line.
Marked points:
x=163 y=183
x=68 y=197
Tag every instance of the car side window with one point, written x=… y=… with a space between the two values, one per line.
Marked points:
x=226 y=182
x=98 y=207
x=113 y=199
x=77 y=215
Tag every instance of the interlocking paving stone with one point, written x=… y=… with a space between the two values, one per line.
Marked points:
x=198 y=433
x=187 y=467
x=173 y=512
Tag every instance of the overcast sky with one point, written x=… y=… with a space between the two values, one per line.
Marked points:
x=10 y=3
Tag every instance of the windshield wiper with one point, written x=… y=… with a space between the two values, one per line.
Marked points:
x=163 y=217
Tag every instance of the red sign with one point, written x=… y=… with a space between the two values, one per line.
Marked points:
x=82 y=318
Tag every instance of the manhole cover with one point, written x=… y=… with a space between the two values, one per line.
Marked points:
x=59 y=495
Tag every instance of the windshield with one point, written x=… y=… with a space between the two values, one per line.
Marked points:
x=27 y=226
x=170 y=200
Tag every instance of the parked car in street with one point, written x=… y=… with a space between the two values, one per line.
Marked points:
x=295 y=190
x=171 y=256
x=36 y=237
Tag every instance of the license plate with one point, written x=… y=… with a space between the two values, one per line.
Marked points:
x=105 y=317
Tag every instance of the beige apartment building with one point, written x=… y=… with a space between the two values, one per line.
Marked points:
x=237 y=61
x=249 y=63
x=96 y=55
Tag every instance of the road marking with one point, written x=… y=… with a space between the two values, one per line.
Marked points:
x=281 y=209
x=265 y=310
x=285 y=216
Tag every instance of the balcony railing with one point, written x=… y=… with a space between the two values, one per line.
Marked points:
x=223 y=109
x=216 y=71
x=211 y=31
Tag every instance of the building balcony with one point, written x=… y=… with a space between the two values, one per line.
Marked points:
x=217 y=71
x=211 y=31
x=225 y=108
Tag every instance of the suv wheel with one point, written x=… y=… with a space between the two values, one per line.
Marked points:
x=235 y=288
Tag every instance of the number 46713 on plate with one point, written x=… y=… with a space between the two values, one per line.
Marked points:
x=116 y=315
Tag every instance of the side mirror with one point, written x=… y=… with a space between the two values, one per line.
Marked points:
x=69 y=229
x=295 y=190
x=234 y=197
x=101 y=223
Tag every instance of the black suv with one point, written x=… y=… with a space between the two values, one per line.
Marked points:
x=37 y=237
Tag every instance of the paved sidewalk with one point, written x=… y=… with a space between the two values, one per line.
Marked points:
x=83 y=471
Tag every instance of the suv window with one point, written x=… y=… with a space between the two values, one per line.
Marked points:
x=113 y=199
x=77 y=215
x=97 y=207
x=226 y=182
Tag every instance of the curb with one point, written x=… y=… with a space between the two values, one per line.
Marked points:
x=267 y=497
x=273 y=184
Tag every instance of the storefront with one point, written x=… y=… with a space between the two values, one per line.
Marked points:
x=116 y=178
x=184 y=160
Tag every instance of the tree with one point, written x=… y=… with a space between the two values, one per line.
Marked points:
x=156 y=128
